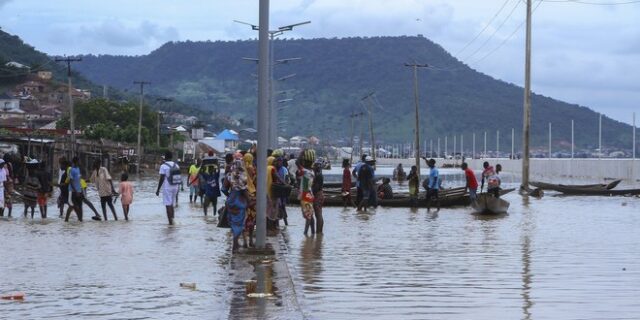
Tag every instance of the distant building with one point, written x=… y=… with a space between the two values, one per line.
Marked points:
x=230 y=138
x=9 y=103
x=15 y=64
x=45 y=75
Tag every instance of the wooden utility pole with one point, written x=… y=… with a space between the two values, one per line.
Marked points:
x=527 y=104
x=415 y=67
x=138 y=151
x=72 y=117
x=353 y=116
x=369 y=111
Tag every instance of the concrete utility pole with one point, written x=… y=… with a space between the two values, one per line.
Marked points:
x=438 y=155
x=415 y=67
x=485 y=145
x=497 y=144
x=72 y=116
x=272 y=115
x=572 y=141
x=473 y=152
x=513 y=143
x=549 y=140
x=263 y=125
x=600 y=136
x=139 y=151
x=633 y=152
x=526 y=123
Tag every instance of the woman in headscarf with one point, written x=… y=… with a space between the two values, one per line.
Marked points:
x=250 y=221
x=307 y=158
x=272 y=210
x=236 y=203
x=281 y=178
x=318 y=195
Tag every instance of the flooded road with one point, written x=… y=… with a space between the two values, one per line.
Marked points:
x=115 y=270
x=550 y=258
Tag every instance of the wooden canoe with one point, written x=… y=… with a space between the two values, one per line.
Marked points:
x=600 y=186
x=455 y=197
x=597 y=192
x=488 y=204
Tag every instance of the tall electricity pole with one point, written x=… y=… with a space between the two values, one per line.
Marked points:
x=526 y=123
x=353 y=116
x=138 y=151
x=369 y=111
x=415 y=67
x=72 y=116
x=263 y=124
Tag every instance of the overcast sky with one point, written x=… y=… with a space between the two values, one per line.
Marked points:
x=586 y=53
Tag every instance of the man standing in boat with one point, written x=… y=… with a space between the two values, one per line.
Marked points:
x=472 y=182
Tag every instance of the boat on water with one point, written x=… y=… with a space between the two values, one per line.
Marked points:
x=488 y=204
x=598 y=186
x=589 y=190
x=455 y=197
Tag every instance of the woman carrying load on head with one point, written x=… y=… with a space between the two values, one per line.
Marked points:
x=236 y=204
x=307 y=158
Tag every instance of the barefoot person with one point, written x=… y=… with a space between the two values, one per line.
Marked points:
x=3 y=181
x=307 y=158
x=126 y=194
x=472 y=182
x=169 y=181
x=76 y=190
x=236 y=204
x=102 y=179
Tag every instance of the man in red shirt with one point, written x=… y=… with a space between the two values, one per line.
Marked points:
x=472 y=183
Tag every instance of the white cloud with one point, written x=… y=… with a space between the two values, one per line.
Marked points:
x=583 y=54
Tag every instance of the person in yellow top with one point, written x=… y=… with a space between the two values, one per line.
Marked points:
x=193 y=182
x=250 y=219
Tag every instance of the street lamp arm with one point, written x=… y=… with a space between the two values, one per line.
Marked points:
x=281 y=61
x=286 y=77
x=291 y=26
x=253 y=26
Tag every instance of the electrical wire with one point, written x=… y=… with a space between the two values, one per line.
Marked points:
x=483 y=29
x=596 y=3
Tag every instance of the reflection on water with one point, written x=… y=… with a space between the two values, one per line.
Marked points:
x=115 y=270
x=549 y=258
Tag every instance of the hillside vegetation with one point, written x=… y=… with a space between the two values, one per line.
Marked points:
x=333 y=76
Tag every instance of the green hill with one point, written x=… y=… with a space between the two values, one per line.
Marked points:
x=336 y=73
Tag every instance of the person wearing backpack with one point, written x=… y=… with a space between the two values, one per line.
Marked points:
x=170 y=180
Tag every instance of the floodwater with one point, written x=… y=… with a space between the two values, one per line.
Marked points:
x=115 y=270
x=549 y=258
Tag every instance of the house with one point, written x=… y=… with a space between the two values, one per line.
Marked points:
x=298 y=141
x=45 y=75
x=230 y=138
x=9 y=103
x=31 y=87
x=17 y=65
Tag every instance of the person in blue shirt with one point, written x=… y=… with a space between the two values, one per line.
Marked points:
x=209 y=176
x=433 y=185
x=75 y=187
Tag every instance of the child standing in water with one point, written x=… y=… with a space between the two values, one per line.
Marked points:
x=126 y=192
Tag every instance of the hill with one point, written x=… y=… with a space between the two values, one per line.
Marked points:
x=334 y=74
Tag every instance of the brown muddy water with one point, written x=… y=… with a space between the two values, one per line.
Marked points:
x=549 y=258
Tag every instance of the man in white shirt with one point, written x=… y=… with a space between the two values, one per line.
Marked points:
x=169 y=190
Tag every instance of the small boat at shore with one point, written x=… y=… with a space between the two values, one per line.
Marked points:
x=599 y=186
x=488 y=204
x=455 y=197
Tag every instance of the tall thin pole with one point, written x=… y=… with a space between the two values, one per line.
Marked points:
x=454 y=145
x=445 y=146
x=263 y=124
x=497 y=143
x=72 y=115
x=549 y=140
x=600 y=136
x=526 y=123
x=634 y=137
x=415 y=67
x=139 y=151
x=461 y=146
x=369 y=111
x=485 y=145
x=273 y=121
x=513 y=143
x=353 y=115
x=158 y=131
x=430 y=148
x=473 y=152
x=438 y=155
x=573 y=144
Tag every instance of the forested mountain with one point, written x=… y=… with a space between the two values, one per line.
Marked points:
x=333 y=76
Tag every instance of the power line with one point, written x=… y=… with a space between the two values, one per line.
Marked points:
x=494 y=32
x=483 y=29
